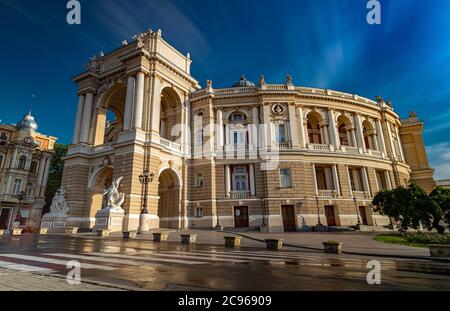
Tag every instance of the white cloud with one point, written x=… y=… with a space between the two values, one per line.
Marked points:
x=439 y=157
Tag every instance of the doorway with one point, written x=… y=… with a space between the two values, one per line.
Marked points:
x=329 y=213
x=288 y=214
x=5 y=218
x=363 y=215
x=241 y=217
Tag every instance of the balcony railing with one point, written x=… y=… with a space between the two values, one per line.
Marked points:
x=375 y=153
x=236 y=147
x=241 y=194
x=282 y=145
x=319 y=147
x=361 y=194
x=350 y=149
x=327 y=193
x=170 y=144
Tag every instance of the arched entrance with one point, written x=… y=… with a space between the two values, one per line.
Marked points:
x=110 y=115
x=102 y=180
x=169 y=200
x=170 y=114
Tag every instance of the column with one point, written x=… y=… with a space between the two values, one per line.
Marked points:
x=399 y=143
x=391 y=141
x=359 y=132
x=336 y=180
x=375 y=141
x=267 y=127
x=252 y=180
x=86 y=123
x=45 y=177
x=219 y=130
x=79 y=119
x=380 y=137
x=139 y=101
x=293 y=126
x=227 y=181
x=366 y=181
x=388 y=180
x=302 y=128
x=316 y=190
x=255 y=128
x=129 y=103
x=333 y=129
x=354 y=141
x=156 y=105
x=349 y=180
x=325 y=135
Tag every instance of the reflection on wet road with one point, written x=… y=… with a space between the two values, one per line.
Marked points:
x=156 y=266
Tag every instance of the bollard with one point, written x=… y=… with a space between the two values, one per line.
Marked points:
x=188 y=238
x=274 y=244
x=232 y=241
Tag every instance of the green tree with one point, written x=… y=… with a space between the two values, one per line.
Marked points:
x=441 y=199
x=55 y=174
x=410 y=206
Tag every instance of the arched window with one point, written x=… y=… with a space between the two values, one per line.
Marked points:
x=237 y=117
x=22 y=162
x=343 y=135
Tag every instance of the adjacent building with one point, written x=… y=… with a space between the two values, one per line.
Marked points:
x=25 y=158
x=274 y=156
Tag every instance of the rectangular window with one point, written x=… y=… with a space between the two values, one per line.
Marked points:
x=199 y=138
x=285 y=178
x=17 y=186
x=199 y=180
x=33 y=167
x=1 y=160
x=199 y=212
x=280 y=133
x=240 y=177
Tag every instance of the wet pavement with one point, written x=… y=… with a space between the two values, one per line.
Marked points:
x=146 y=265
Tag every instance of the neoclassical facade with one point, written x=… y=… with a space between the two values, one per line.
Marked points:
x=25 y=157
x=272 y=156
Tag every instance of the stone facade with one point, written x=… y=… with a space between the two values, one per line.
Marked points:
x=275 y=156
x=24 y=165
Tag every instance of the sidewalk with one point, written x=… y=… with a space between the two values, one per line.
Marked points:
x=354 y=242
x=22 y=281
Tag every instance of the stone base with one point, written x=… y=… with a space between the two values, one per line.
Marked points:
x=54 y=223
x=144 y=223
x=109 y=219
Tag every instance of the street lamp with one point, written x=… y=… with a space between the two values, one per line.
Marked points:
x=357 y=213
x=21 y=196
x=145 y=179
x=319 y=224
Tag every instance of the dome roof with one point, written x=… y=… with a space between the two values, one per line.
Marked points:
x=27 y=123
x=243 y=82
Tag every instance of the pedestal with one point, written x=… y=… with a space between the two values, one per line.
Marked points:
x=143 y=223
x=54 y=222
x=109 y=219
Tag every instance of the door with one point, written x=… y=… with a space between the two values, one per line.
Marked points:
x=241 y=217
x=288 y=213
x=329 y=213
x=5 y=215
x=362 y=214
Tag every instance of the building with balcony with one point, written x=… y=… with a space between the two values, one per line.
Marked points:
x=274 y=156
x=24 y=166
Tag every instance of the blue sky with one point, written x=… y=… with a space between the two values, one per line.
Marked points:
x=322 y=43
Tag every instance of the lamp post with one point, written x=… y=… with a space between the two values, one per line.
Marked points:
x=357 y=213
x=145 y=179
x=20 y=197
x=319 y=224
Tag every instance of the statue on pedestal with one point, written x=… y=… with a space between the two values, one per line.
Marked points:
x=114 y=199
x=59 y=205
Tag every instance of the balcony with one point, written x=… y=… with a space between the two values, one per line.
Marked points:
x=170 y=145
x=241 y=194
x=319 y=147
x=236 y=148
x=282 y=145
x=327 y=193
x=361 y=194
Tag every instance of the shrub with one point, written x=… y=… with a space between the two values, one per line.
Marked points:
x=433 y=238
